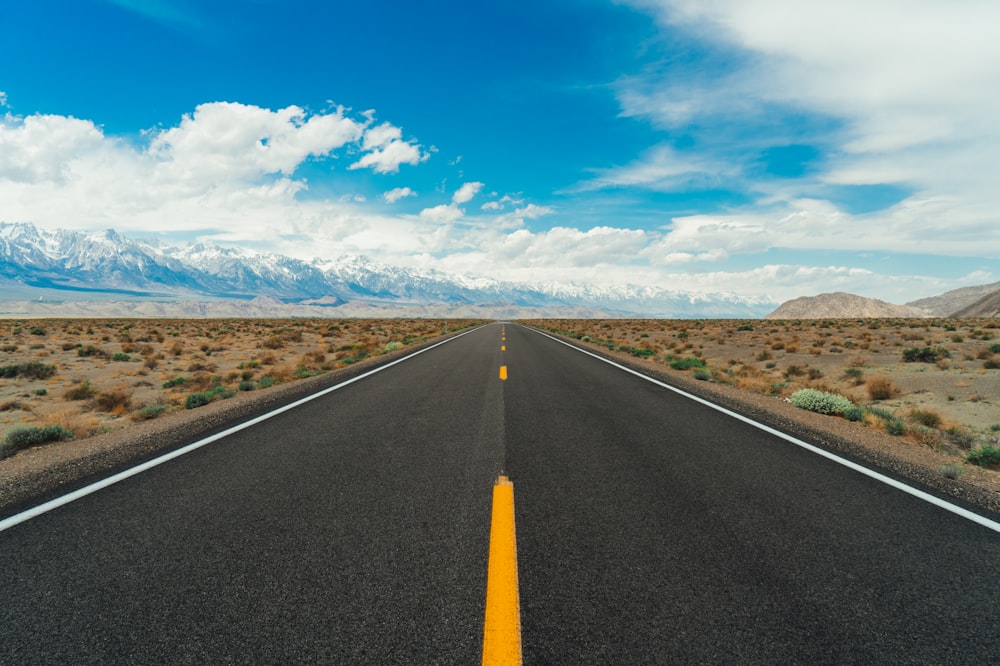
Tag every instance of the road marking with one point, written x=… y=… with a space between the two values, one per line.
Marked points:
x=503 y=347
x=898 y=485
x=503 y=372
x=132 y=471
x=502 y=625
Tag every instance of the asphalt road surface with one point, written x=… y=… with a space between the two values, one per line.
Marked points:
x=355 y=529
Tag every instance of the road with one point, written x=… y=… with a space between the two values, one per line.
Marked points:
x=355 y=528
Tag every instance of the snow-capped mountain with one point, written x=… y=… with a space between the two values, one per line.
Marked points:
x=108 y=263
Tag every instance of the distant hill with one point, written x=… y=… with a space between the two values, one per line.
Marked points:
x=987 y=306
x=841 y=305
x=955 y=301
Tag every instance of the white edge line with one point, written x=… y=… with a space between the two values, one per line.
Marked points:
x=927 y=497
x=57 y=502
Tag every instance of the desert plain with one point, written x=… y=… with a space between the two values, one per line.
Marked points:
x=927 y=389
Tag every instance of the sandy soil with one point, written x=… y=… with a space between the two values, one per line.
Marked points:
x=137 y=406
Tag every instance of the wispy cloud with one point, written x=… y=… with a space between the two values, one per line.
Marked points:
x=397 y=193
x=174 y=14
x=892 y=93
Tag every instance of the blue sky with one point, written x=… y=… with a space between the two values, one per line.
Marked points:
x=771 y=148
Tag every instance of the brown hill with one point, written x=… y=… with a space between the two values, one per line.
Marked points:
x=841 y=305
x=950 y=302
x=987 y=306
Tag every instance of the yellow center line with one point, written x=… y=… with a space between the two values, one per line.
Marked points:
x=503 y=372
x=503 y=347
x=502 y=628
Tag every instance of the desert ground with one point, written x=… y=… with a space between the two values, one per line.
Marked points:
x=92 y=376
x=927 y=390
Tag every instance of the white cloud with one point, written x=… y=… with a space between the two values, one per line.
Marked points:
x=390 y=157
x=465 y=193
x=387 y=150
x=912 y=84
x=502 y=202
x=660 y=168
x=381 y=135
x=227 y=167
x=397 y=193
x=443 y=214
x=230 y=140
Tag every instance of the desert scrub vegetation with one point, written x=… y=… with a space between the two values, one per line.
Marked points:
x=23 y=438
x=820 y=401
x=159 y=362
x=30 y=370
x=925 y=354
x=984 y=456
x=200 y=399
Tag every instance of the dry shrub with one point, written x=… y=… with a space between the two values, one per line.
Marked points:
x=202 y=366
x=202 y=382
x=82 y=391
x=313 y=359
x=268 y=359
x=281 y=373
x=117 y=401
x=927 y=437
x=791 y=347
x=880 y=388
x=926 y=417
x=273 y=342
x=177 y=348
x=70 y=419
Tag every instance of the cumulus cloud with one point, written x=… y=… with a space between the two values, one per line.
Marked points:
x=387 y=150
x=443 y=214
x=226 y=167
x=397 y=193
x=465 y=193
x=452 y=212
x=227 y=140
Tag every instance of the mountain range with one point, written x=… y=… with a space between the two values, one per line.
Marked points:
x=70 y=273
x=57 y=272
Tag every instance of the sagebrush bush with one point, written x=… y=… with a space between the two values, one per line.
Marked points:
x=854 y=413
x=687 y=363
x=148 y=413
x=984 y=456
x=925 y=354
x=32 y=370
x=202 y=398
x=22 y=438
x=820 y=401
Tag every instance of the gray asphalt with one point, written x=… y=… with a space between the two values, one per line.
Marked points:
x=354 y=529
